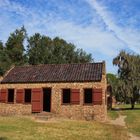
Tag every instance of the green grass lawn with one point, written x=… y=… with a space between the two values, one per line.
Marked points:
x=25 y=128
x=113 y=114
x=133 y=117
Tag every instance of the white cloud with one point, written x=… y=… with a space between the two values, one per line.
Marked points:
x=11 y=6
x=103 y=41
x=129 y=37
x=90 y=37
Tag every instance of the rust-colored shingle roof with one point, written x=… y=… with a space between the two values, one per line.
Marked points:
x=55 y=73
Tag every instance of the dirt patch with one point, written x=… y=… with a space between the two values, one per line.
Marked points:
x=120 y=121
x=48 y=119
x=133 y=137
x=52 y=120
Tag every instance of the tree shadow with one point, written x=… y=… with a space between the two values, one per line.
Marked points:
x=123 y=109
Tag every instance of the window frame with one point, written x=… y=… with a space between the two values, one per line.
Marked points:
x=62 y=103
x=84 y=97
x=25 y=96
x=13 y=96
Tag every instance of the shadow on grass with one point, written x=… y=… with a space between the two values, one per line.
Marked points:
x=118 y=109
x=3 y=138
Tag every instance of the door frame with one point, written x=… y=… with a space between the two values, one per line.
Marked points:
x=50 y=98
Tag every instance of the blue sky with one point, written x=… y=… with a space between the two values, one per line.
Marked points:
x=101 y=27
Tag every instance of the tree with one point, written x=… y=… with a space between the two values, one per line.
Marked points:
x=44 y=50
x=112 y=80
x=82 y=57
x=5 y=62
x=129 y=74
x=15 y=46
x=117 y=87
x=40 y=49
x=1 y=46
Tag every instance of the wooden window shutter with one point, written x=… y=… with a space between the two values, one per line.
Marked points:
x=20 y=96
x=3 y=95
x=75 y=96
x=97 y=96
x=37 y=100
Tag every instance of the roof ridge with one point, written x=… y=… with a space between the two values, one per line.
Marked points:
x=58 y=64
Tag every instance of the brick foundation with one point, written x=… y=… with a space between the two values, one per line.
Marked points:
x=14 y=109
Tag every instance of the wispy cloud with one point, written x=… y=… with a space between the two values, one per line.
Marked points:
x=91 y=37
x=86 y=23
x=129 y=37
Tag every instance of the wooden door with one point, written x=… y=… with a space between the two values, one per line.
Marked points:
x=37 y=100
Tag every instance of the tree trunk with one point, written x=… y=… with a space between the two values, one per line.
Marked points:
x=132 y=103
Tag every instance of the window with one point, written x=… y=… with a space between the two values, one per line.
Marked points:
x=10 y=95
x=27 y=96
x=66 y=96
x=87 y=96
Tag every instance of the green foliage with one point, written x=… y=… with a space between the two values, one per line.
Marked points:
x=5 y=62
x=39 y=49
x=44 y=50
x=15 y=46
x=112 y=80
x=1 y=46
x=116 y=87
x=129 y=75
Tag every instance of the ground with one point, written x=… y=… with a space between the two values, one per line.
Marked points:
x=133 y=118
x=124 y=116
x=27 y=128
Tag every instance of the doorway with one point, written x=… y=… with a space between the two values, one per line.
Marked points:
x=47 y=99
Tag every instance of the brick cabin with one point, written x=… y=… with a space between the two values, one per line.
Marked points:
x=76 y=91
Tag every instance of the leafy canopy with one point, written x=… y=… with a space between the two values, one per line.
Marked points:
x=38 y=49
x=129 y=75
x=44 y=50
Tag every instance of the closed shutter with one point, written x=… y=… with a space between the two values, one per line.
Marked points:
x=97 y=96
x=37 y=100
x=75 y=96
x=3 y=95
x=20 y=96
